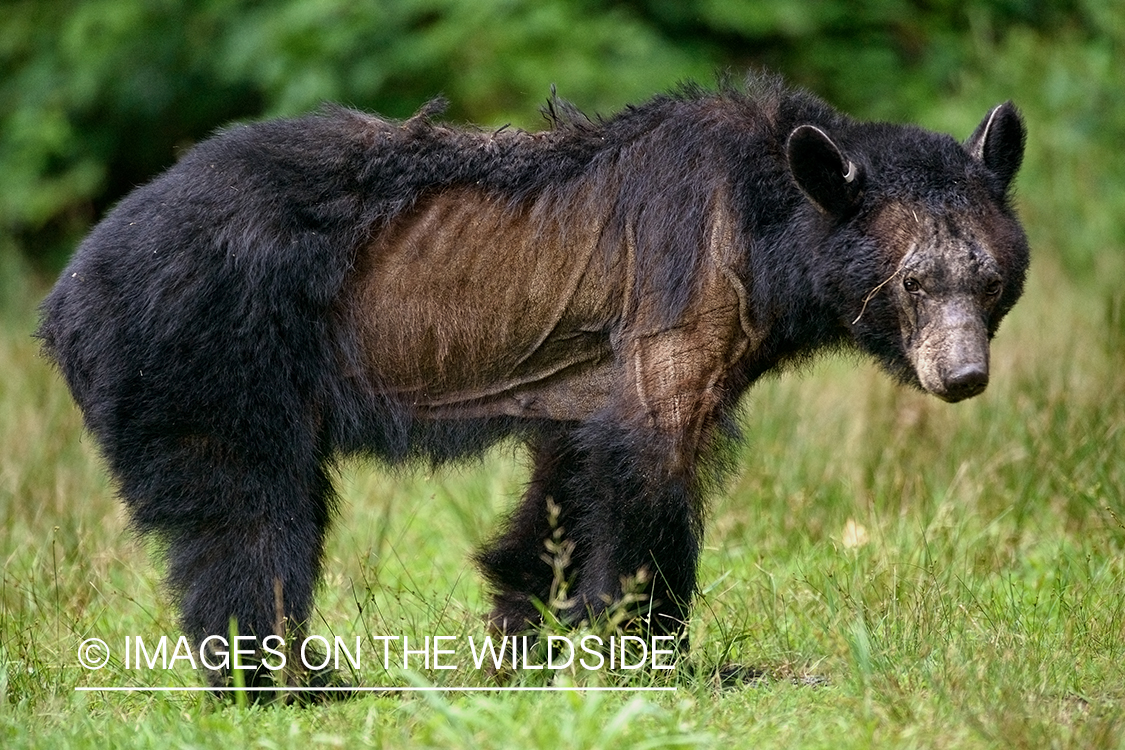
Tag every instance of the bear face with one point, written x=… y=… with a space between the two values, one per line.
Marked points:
x=946 y=257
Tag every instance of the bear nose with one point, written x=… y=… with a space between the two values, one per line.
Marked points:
x=966 y=381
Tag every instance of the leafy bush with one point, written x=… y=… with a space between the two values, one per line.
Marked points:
x=102 y=94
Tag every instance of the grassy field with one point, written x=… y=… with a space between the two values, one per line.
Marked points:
x=907 y=573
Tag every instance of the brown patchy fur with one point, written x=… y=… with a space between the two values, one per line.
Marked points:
x=447 y=329
x=555 y=331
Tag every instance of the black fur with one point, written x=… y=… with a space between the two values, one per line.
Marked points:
x=204 y=327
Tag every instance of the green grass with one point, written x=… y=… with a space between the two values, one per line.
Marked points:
x=976 y=601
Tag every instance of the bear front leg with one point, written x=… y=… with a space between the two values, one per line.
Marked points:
x=521 y=563
x=603 y=501
x=637 y=493
x=639 y=526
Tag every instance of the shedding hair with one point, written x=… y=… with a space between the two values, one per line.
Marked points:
x=293 y=292
x=870 y=295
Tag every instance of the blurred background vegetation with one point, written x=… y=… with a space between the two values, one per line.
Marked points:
x=97 y=96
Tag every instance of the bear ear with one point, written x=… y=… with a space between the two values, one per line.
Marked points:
x=827 y=177
x=998 y=143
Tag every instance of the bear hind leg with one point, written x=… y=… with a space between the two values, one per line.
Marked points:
x=244 y=545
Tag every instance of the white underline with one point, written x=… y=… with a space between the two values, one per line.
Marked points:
x=129 y=689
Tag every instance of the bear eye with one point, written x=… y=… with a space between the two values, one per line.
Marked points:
x=993 y=288
x=911 y=285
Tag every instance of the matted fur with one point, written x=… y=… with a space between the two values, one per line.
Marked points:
x=299 y=290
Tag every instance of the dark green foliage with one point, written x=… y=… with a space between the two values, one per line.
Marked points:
x=97 y=96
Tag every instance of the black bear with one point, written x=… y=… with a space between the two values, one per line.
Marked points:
x=295 y=291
